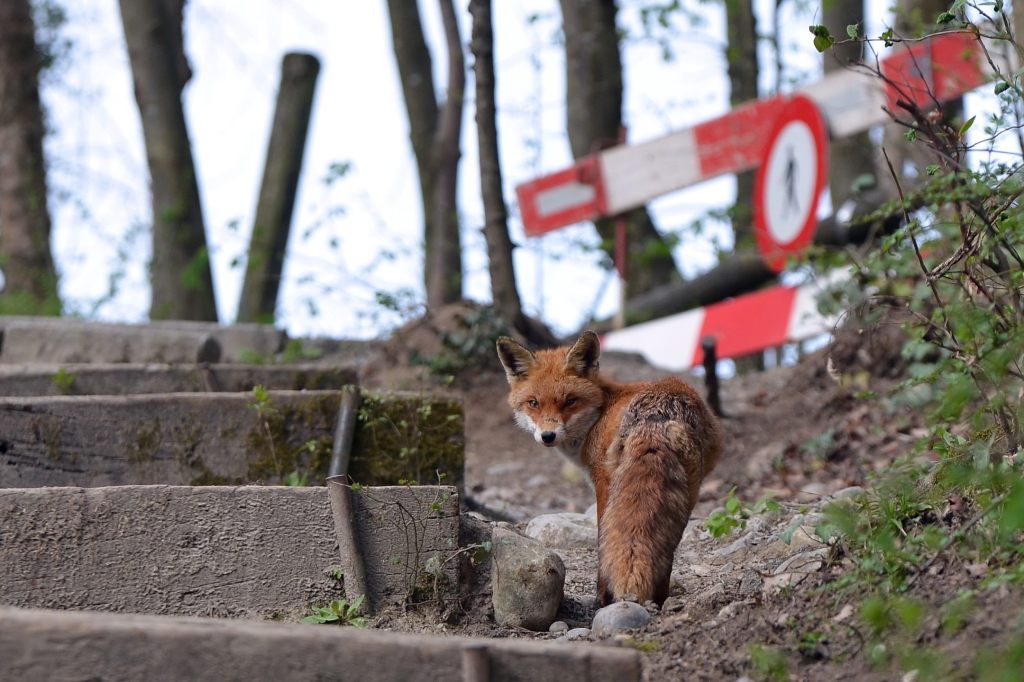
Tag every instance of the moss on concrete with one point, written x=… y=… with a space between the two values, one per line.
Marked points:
x=408 y=438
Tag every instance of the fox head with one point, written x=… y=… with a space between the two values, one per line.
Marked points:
x=556 y=394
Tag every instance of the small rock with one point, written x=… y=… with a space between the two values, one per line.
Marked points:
x=737 y=546
x=910 y=676
x=591 y=513
x=844 y=613
x=730 y=610
x=622 y=615
x=527 y=579
x=558 y=627
x=701 y=570
x=576 y=634
x=812 y=492
x=566 y=530
x=711 y=596
x=804 y=562
x=750 y=583
x=848 y=493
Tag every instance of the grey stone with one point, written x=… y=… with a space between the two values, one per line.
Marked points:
x=134 y=379
x=558 y=627
x=252 y=552
x=576 y=634
x=528 y=581
x=566 y=530
x=850 y=493
x=208 y=438
x=28 y=342
x=69 y=340
x=65 y=645
x=622 y=615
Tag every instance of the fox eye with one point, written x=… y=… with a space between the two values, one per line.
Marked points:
x=569 y=402
x=532 y=402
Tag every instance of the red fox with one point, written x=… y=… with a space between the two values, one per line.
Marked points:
x=646 y=445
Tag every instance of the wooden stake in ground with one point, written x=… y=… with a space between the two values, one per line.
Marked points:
x=281 y=171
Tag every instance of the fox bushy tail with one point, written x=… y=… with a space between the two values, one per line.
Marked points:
x=656 y=468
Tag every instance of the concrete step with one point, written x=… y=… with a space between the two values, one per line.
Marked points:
x=68 y=340
x=134 y=379
x=224 y=438
x=58 y=645
x=243 y=552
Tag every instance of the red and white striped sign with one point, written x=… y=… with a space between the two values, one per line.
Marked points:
x=625 y=177
x=740 y=326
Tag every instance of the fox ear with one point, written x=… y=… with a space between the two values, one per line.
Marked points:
x=516 y=359
x=582 y=357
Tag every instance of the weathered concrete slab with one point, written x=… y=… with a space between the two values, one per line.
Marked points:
x=223 y=438
x=56 y=645
x=408 y=538
x=29 y=342
x=135 y=379
x=69 y=340
x=252 y=551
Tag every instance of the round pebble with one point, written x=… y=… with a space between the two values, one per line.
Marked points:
x=623 y=615
x=558 y=627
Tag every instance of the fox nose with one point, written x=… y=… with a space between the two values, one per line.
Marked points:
x=548 y=437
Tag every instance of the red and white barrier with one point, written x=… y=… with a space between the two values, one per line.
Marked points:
x=740 y=326
x=625 y=177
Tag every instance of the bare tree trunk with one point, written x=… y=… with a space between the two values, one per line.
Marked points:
x=499 y=246
x=30 y=280
x=741 y=55
x=277 y=192
x=434 y=132
x=445 y=282
x=594 y=110
x=854 y=156
x=180 y=271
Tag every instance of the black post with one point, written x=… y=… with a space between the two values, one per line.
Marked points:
x=709 y=346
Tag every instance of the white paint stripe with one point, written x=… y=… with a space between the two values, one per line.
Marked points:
x=669 y=342
x=633 y=175
x=563 y=197
x=804 y=319
x=850 y=101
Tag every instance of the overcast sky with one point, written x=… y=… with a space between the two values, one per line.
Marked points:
x=361 y=233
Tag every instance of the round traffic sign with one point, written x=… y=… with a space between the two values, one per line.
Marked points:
x=789 y=182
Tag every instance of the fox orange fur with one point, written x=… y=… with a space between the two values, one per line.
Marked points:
x=646 y=445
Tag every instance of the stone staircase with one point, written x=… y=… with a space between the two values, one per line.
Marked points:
x=149 y=482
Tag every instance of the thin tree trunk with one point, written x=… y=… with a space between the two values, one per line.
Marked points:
x=743 y=69
x=594 y=110
x=851 y=157
x=277 y=192
x=182 y=284
x=499 y=245
x=434 y=134
x=30 y=280
x=445 y=283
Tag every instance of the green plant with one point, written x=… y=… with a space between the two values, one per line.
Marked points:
x=768 y=663
x=339 y=611
x=735 y=514
x=952 y=276
x=63 y=381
